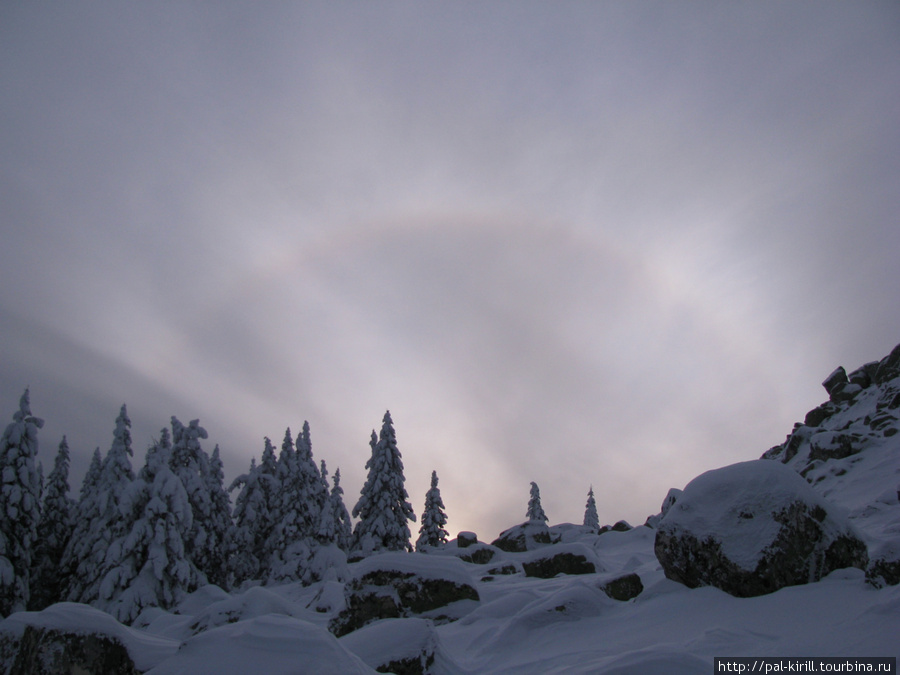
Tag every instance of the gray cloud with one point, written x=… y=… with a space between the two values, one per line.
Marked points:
x=607 y=244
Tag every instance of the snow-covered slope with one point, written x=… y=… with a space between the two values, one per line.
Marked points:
x=848 y=450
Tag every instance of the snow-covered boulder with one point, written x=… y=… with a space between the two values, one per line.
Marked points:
x=273 y=644
x=477 y=552
x=884 y=566
x=73 y=638
x=394 y=585
x=671 y=497
x=549 y=562
x=410 y=646
x=528 y=536
x=256 y=601
x=466 y=539
x=752 y=528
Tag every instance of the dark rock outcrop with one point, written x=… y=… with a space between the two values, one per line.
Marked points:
x=480 y=554
x=832 y=431
x=561 y=559
x=888 y=368
x=623 y=587
x=884 y=567
x=71 y=637
x=835 y=382
x=752 y=528
x=45 y=651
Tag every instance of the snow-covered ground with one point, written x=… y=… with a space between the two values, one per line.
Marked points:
x=520 y=625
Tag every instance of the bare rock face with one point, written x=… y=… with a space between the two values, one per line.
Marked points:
x=752 y=528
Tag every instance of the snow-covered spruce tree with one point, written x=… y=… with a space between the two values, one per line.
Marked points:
x=220 y=520
x=146 y=566
x=85 y=509
x=253 y=522
x=286 y=474
x=103 y=519
x=432 y=532
x=303 y=499
x=20 y=497
x=91 y=478
x=55 y=530
x=288 y=513
x=335 y=525
x=315 y=487
x=535 y=510
x=591 y=519
x=191 y=464
x=383 y=507
x=323 y=476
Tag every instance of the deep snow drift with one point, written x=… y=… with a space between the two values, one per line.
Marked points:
x=475 y=608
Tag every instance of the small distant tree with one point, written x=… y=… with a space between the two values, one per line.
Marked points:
x=383 y=507
x=20 y=504
x=432 y=532
x=55 y=531
x=535 y=510
x=591 y=519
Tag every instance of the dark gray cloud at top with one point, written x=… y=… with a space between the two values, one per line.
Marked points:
x=578 y=243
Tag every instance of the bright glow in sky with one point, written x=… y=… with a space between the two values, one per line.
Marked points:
x=612 y=244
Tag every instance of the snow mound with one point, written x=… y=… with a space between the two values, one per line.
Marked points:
x=272 y=644
x=252 y=603
x=400 y=645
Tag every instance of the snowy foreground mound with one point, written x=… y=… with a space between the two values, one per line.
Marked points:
x=811 y=532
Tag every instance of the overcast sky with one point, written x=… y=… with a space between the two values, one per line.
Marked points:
x=608 y=243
